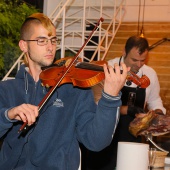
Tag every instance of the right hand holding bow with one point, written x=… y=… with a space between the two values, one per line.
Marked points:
x=25 y=112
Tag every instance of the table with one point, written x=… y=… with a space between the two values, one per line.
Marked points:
x=167 y=167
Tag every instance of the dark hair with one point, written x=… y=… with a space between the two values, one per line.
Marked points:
x=139 y=42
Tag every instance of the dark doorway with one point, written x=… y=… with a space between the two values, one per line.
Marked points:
x=89 y=54
x=37 y=3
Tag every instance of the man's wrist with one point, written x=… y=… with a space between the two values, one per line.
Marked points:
x=107 y=96
x=6 y=116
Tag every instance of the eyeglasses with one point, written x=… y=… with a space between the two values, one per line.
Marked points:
x=44 y=41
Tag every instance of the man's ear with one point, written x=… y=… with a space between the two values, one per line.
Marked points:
x=124 y=53
x=23 y=46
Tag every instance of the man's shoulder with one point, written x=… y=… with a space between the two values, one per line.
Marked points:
x=146 y=68
x=148 y=71
x=7 y=83
x=114 y=60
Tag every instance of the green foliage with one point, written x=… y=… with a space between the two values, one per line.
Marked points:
x=12 y=15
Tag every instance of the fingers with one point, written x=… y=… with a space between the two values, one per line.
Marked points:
x=140 y=115
x=25 y=112
x=114 y=79
x=125 y=68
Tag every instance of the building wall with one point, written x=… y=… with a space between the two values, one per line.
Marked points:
x=155 y=10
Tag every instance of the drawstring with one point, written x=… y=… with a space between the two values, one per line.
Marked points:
x=26 y=82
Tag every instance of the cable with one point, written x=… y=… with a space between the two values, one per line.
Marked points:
x=139 y=16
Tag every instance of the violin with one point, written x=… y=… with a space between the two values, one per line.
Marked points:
x=83 y=74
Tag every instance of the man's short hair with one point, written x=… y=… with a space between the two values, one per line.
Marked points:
x=139 y=42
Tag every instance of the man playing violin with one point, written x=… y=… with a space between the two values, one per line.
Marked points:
x=134 y=100
x=68 y=117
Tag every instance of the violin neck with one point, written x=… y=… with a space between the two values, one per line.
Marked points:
x=89 y=66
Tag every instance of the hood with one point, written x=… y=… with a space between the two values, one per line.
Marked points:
x=23 y=74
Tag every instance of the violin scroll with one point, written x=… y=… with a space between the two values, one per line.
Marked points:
x=142 y=82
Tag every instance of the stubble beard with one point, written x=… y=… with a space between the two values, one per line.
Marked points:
x=41 y=63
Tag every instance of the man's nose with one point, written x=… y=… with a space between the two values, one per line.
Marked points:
x=49 y=46
x=139 y=63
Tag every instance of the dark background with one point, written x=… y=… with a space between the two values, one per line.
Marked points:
x=37 y=3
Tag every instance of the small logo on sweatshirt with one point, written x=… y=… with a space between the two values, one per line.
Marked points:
x=58 y=103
